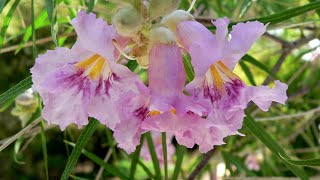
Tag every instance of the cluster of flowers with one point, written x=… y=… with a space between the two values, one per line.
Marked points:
x=88 y=80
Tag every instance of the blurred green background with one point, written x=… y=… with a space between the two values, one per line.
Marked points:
x=290 y=51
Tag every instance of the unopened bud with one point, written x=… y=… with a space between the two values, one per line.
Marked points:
x=162 y=35
x=173 y=18
x=128 y=21
x=159 y=8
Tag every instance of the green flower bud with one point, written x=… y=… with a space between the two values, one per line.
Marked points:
x=128 y=21
x=159 y=8
x=162 y=35
x=176 y=16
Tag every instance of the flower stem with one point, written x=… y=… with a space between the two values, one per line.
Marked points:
x=164 y=148
x=153 y=156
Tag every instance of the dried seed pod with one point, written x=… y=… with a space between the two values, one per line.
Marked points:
x=176 y=16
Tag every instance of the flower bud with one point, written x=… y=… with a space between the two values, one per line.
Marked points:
x=173 y=18
x=162 y=35
x=159 y=8
x=128 y=21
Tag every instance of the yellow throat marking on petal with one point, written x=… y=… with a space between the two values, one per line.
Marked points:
x=222 y=67
x=218 y=81
x=154 y=113
x=94 y=65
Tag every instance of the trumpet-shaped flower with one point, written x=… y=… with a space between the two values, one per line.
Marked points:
x=213 y=58
x=85 y=80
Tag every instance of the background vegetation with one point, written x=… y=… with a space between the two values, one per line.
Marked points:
x=289 y=51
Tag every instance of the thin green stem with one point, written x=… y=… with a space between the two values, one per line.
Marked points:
x=164 y=147
x=135 y=159
x=180 y=153
x=153 y=156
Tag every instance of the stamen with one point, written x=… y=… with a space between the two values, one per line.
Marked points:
x=222 y=67
x=116 y=45
x=217 y=78
x=191 y=5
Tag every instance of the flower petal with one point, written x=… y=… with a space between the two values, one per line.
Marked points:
x=94 y=35
x=166 y=70
x=243 y=35
x=263 y=95
x=192 y=31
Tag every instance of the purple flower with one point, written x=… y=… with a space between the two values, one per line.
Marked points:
x=85 y=80
x=214 y=57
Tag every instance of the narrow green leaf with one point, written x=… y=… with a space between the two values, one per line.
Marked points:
x=34 y=47
x=43 y=141
x=246 y=4
x=16 y=90
x=289 y=13
x=3 y=4
x=257 y=130
x=90 y=5
x=6 y=104
x=135 y=158
x=248 y=72
x=164 y=147
x=132 y=65
x=177 y=168
x=146 y=169
x=7 y=21
x=50 y=6
x=73 y=12
x=188 y=67
x=253 y=61
x=44 y=149
x=282 y=16
x=37 y=23
x=153 y=156
x=318 y=11
x=305 y=162
x=81 y=142
x=238 y=163
x=109 y=168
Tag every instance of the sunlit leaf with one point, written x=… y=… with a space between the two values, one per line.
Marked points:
x=7 y=21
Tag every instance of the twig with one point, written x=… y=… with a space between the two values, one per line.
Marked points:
x=290 y=116
x=287 y=48
x=29 y=44
x=106 y=158
x=19 y=134
x=201 y=165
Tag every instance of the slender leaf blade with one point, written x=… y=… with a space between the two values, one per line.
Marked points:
x=16 y=90
x=257 y=130
x=7 y=21
x=135 y=159
x=253 y=61
x=109 y=168
x=153 y=156
x=3 y=4
x=248 y=72
x=81 y=142
x=305 y=162
x=179 y=153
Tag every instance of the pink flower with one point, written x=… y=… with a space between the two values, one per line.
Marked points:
x=252 y=162
x=214 y=58
x=85 y=80
x=157 y=141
